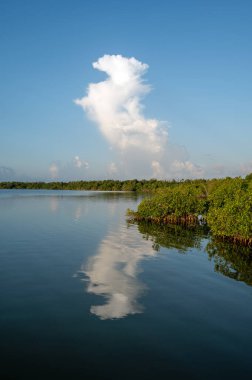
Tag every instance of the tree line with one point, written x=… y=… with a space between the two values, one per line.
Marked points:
x=100 y=185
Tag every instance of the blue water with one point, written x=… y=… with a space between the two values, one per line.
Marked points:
x=84 y=295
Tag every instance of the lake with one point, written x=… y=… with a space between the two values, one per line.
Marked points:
x=84 y=295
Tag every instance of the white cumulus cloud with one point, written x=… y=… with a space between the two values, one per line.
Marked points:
x=115 y=105
x=140 y=145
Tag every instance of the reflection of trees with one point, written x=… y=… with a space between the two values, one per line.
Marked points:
x=111 y=196
x=231 y=260
x=172 y=236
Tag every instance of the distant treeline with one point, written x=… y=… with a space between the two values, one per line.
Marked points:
x=103 y=185
x=224 y=205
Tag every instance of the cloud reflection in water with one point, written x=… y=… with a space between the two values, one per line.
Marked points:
x=113 y=271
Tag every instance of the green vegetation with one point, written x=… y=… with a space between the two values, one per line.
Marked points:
x=225 y=205
x=105 y=185
x=230 y=211
x=178 y=205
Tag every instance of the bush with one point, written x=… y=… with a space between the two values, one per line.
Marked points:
x=183 y=201
x=230 y=211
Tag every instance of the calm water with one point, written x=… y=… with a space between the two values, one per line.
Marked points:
x=84 y=296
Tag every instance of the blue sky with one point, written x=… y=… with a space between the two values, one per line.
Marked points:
x=199 y=56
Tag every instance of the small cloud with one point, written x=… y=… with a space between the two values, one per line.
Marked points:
x=157 y=169
x=70 y=170
x=112 y=168
x=54 y=170
x=78 y=163
x=186 y=169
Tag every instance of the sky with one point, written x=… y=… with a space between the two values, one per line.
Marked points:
x=125 y=89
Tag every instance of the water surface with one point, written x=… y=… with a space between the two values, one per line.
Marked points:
x=86 y=296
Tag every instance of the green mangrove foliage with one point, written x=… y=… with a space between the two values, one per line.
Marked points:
x=230 y=211
x=224 y=204
x=178 y=205
x=102 y=185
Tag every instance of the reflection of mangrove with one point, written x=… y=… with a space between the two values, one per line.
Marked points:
x=172 y=236
x=113 y=271
x=112 y=195
x=231 y=260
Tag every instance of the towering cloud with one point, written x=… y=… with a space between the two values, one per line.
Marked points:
x=115 y=105
x=141 y=144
